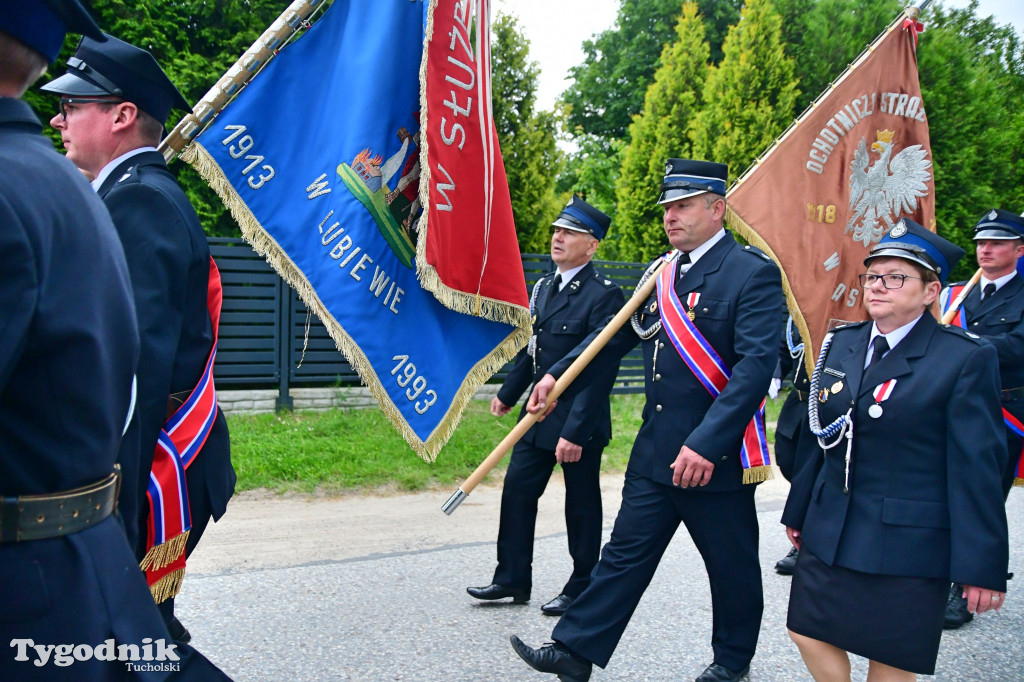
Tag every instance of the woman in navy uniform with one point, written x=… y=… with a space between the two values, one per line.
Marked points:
x=886 y=518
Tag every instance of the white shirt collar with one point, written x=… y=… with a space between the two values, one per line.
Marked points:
x=102 y=175
x=998 y=282
x=893 y=337
x=567 y=275
x=703 y=248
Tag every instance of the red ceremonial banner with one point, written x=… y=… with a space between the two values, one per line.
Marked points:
x=469 y=258
x=844 y=173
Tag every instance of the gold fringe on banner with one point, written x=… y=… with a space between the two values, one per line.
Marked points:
x=740 y=227
x=161 y=555
x=758 y=474
x=168 y=586
x=265 y=245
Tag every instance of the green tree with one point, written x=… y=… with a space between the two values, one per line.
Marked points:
x=972 y=82
x=608 y=87
x=527 y=138
x=195 y=42
x=824 y=36
x=659 y=133
x=749 y=98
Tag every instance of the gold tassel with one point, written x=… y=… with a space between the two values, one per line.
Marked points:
x=168 y=586
x=758 y=474
x=159 y=556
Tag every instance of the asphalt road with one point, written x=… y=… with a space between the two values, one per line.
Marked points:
x=373 y=588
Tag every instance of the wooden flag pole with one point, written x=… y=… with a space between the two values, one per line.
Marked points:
x=234 y=79
x=959 y=301
x=578 y=365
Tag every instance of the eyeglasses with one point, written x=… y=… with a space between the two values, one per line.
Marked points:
x=889 y=281
x=74 y=101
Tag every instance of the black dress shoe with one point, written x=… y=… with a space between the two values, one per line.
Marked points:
x=495 y=591
x=956 y=609
x=719 y=673
x=787 y=564
x=554 y=658
x=558 y=605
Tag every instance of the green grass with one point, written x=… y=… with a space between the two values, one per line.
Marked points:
x=357 y=450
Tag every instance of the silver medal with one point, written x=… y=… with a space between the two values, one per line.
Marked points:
x=875 y=411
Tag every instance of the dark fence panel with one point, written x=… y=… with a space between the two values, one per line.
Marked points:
x=268 y=340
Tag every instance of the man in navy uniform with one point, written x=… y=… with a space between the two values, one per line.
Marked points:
x=686 y=460
x=115 y=99
x=567 y=305
x=994 y=309
x=791 y=426
x=68 y=347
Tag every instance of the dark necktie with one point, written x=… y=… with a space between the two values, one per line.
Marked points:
x=553 y=289
x=990 y=289
x=881 y=347
x=684 y=263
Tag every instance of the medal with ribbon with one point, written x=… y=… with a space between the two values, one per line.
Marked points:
x=691 y=304
x=881 y=394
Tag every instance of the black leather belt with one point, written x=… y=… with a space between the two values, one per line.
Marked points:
x=801 y=395
x=36 y=517
x=1011 y=395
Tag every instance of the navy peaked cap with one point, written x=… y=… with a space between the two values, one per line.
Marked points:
x=686 y=178
x=119 y=69
x=1000 y=224
x=42 y=24
x=911 y=241
x=579 y=216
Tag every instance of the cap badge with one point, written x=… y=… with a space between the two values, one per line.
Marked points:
x=668 y=168
x=899 y=230
x=993 y=215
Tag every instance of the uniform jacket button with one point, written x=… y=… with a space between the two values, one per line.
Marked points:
x=657 y=408
x=725 y=457
x=657 y=377
x=661 y=344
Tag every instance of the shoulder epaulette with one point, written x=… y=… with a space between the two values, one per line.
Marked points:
x=757 y=252
x=961 y=332
x=129 y=176
x=850 y=325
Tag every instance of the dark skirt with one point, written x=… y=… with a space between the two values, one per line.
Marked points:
x=894 y=620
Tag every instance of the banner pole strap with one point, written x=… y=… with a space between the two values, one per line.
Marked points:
x=579 y=364
x=234 y=79
x=959 y=300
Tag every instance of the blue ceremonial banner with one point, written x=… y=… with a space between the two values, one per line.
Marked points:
x=319 y=160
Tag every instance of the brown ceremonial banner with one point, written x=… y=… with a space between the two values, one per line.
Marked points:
x=839 y=178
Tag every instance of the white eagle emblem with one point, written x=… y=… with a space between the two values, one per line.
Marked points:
x=890 y=187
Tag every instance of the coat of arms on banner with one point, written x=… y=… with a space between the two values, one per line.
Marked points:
x=882 y=191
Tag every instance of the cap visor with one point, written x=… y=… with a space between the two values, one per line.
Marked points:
x=995 y=234
x=900 y=253
x=72 y=85
x=671 y=195
x=562 y=222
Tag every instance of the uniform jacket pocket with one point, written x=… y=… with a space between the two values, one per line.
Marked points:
x=920 y=514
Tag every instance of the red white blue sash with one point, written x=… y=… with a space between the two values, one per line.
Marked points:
x=180 y=440
x=1014 y=425
x=951 y=295
x=711 y=371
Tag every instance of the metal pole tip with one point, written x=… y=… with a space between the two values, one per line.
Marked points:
x=454 y=501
